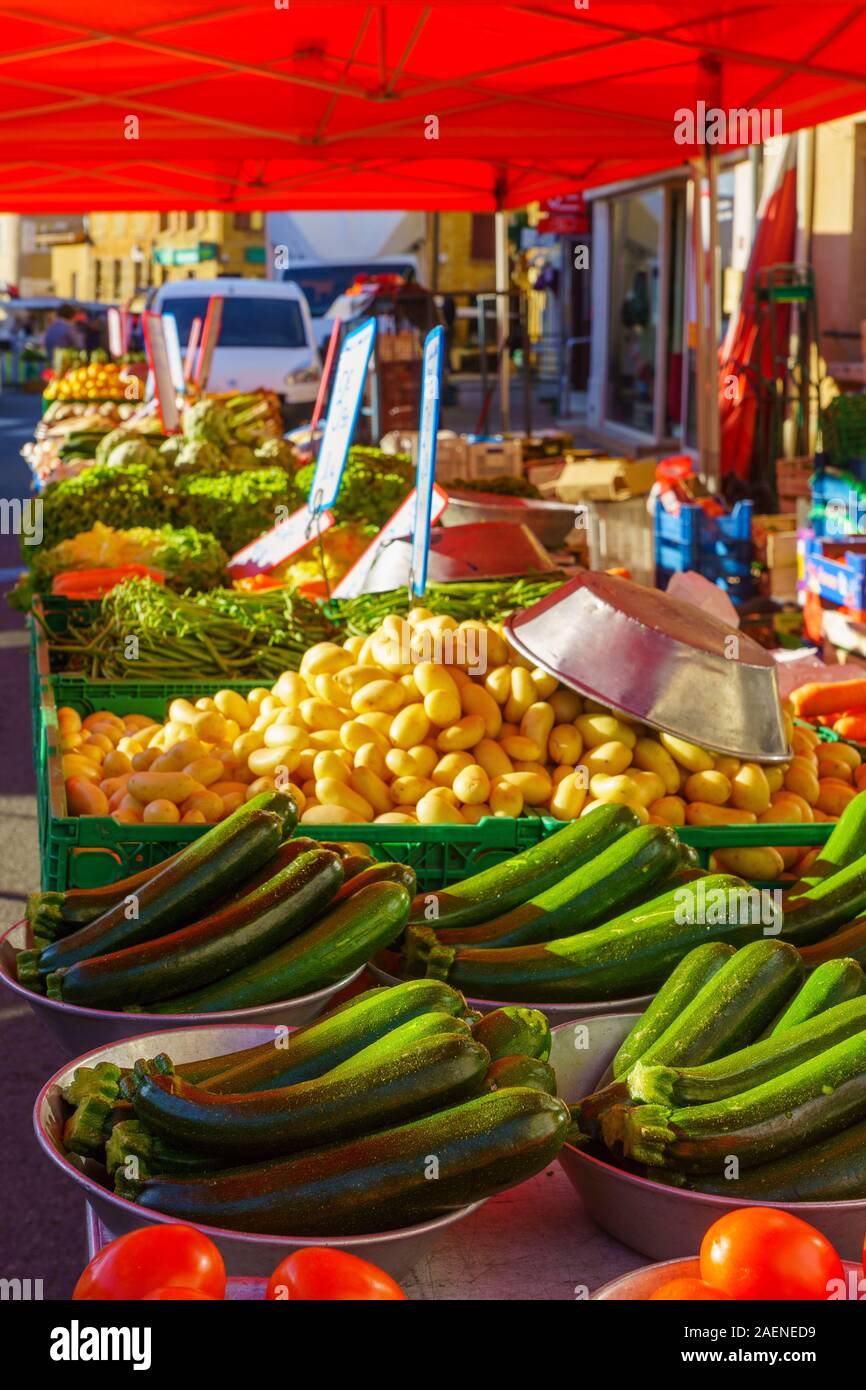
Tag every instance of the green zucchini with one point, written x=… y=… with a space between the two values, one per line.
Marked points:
x=131 y=1140
x=833 y=1170
x=380 y=1181
x=832 y=983
x=849 y=942
x=511 y=1030
x=203 y=874
x=844 y=846
x=678 y=990
x=386 y=871
x=436 y=1072
x=341 y=941
x=813 y=915
x=627 y=955
x=730 y=1010
x=811 y=1101
x=332 y=1039
x=288 y=852
x=525 y=875
x=622 y=875
x=521 y=1071
x=414 y=1030
x=211 y=948
x=750 y=1066
x=52 y=915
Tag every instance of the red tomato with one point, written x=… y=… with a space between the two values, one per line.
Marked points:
x=687 y=1288
x=175 y=1294
x=154 y=1257
x=319 y=1274
x=760 y=1253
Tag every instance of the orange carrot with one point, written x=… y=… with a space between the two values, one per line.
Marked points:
x=852 y=726
x=817 y=698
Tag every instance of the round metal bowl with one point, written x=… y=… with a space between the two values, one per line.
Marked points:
x=651 y=1217
x=387 y=962
x=653 y=658
x=639 y=1284
x=244 y=1253
x=551 y=522
x=77 y=1028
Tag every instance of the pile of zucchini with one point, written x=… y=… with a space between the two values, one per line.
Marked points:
x=746 y=1077
x=282 y=917
x=596 y=912
x=392 y=1109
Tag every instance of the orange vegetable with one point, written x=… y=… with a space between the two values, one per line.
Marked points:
x=852 y=726
x=825 y=698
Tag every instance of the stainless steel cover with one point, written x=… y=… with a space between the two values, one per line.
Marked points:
x=658 y=660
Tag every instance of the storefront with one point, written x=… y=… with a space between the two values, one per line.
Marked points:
x=642 y=376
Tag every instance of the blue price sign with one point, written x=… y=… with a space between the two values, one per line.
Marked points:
x=342 y=414
x=431 y=387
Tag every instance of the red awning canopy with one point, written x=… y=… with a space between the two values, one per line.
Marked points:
x=290 y=103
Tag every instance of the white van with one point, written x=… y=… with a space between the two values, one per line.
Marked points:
x=266 y=339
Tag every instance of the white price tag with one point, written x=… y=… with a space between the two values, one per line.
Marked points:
x=282 y=541
x=342 y=414
x=428 y=432
x=398 y=524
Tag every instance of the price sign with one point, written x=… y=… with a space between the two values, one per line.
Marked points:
x=172 y=344
x=400 y=523
x=343 y=412
x=157 y=359
x=191 y=348
x=209 y=339
x=283 y=540
x=116 y=332
x=428 y=432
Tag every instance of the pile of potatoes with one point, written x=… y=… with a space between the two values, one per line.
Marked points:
x=372 y=731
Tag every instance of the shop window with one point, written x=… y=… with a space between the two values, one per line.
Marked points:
x=483 y=236
x=163 y=221
x=257 y=221
x=117 y=279
x=243 y=222
x=636 y=226
x=98 y=279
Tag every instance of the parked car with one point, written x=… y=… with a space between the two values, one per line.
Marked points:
x=266 y=338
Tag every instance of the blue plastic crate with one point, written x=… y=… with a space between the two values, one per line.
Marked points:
x=720 y=548
x=838 y=579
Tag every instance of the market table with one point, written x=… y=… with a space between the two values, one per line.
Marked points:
x=534 y=1242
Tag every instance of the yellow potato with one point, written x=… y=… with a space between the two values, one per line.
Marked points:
x=327 y=763
x=410 y=726
x=425 y=757
x=497 y=683
x=537 y=725
x=462 y=734
x=751 y=862
x=371 y=757
x=749 y=789
x=534 y=787
x=328 y=815
x=669 y=810
x=524 y=693
x=595 y=729
x=161 y=812
x=233 y=706
x=472 y=785
x=688 y=755
x=607 y=758
x=318 y=714
x=565 y=744
x=476 y=700
x=712 y=786
x=324 y=657
x=435 y=810
x=505 y=800
x=569 y=795
x=372 y=788
x=332 y=792
x=649 y=756
x=567 y=705
x=492 y=757
x=408 y=791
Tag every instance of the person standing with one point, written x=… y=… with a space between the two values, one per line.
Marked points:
x=62 y=332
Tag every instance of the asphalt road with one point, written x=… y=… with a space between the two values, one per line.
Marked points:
x=41 y=1218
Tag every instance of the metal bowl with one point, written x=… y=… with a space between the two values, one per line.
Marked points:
x=77 y=1028
x=658 y=660
x=385 y=964
x=640 y=1284
x=551 y=522
x=650 y=1217
x=244 y=1253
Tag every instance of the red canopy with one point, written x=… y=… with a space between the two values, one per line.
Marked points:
x=291 y=103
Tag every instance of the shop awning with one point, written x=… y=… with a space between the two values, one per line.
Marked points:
x=290 y=103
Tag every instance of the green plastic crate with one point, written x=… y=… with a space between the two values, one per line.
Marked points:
x=88 y=851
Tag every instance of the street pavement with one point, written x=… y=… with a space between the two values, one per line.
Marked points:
x=41 y=1215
